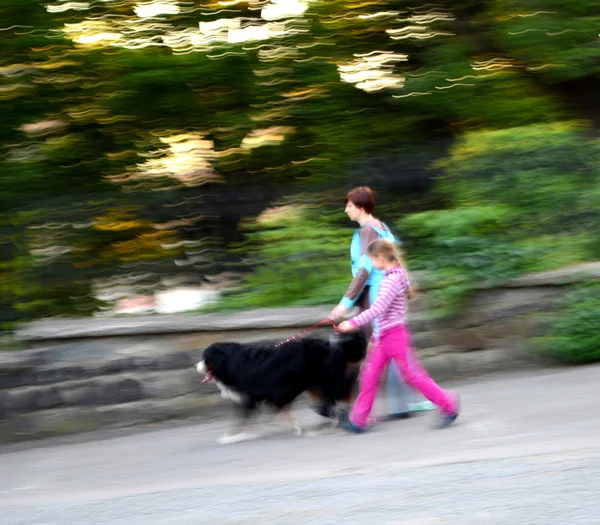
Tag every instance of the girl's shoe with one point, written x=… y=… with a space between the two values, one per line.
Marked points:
x=447 y=419
x=348 y=426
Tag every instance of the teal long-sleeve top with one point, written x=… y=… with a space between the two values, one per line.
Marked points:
x=363 y=273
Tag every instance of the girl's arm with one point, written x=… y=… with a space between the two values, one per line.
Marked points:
x=388 y=291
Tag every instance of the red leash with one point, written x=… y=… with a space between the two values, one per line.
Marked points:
x=326 y=321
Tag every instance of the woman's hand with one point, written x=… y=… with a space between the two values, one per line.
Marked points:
x=338 y=312
x=346 y=326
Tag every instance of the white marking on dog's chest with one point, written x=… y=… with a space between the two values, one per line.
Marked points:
x=228 y=393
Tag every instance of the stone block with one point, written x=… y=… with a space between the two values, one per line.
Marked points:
x=420 y=303
x=467 y=340
x=56 y=374
x=431 y=351
x=3 y=405
x=20 y=400
x=48 y=423
x=439 y=366
x=83 y=395
x=164 y=361
x=12 y=379
x=540 y=326
x=19 y=360
x=178 y=360
x=48 y=397
x=65 y=421
x=114 y=365
x=489 y=361
x=429 y=339
x=77 y=350
x=496 y=330
x=17 y=428
x=119 y=389
x=153 y=410
x=562 y=276
x=143 y=362
x=172 y=384
x=496 y=304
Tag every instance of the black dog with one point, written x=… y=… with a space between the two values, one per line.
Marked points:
x=255 y=373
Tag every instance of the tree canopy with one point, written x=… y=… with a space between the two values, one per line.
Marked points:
x=138 y=137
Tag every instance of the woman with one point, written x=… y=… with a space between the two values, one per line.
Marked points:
x=362 y=291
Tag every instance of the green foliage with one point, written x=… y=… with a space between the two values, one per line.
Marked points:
x=520 y=201
x=554 y=39
x=297 y=258
x=462 y=249
x=550 y=174
x=523 y=200
x=79 y=119
x=573 y=336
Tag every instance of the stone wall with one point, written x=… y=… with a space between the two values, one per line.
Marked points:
x=85 y=374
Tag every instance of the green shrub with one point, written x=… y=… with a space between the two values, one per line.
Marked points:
x=573 y=335
x=520 y=200
x=462 y=249
x=297 y=257
x=549 y=174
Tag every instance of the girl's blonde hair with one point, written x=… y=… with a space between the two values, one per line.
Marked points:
x=393 y=254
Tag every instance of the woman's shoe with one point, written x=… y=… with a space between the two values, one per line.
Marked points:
x=398 y=415
x=423 y=406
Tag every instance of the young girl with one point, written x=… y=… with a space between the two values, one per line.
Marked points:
x=394 y=342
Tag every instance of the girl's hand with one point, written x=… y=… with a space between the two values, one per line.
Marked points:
x=346 y=326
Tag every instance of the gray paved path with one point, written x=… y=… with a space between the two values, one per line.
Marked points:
x=526 y=451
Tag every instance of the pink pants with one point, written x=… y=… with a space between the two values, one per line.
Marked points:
x=394 y=343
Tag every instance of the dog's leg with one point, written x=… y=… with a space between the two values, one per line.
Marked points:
x=241 y=431
x=352 y=375
x=328 y=423
x=320 y=405
x=288 y=415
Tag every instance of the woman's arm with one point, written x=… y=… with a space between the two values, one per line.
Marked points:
x=367 y=235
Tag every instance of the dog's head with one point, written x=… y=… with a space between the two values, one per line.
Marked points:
x=215 y=361
x=352 y=345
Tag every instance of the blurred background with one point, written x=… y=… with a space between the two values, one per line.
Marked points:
x=180 y=156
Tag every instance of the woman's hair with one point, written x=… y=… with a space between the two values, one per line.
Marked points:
x=391 y=252
x=361 y=197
